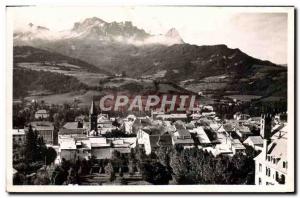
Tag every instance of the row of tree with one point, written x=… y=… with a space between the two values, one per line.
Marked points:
x=33 y=158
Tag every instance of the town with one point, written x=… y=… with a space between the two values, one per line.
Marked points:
x=68 y=145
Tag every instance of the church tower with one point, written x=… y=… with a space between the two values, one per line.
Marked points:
x=266 y=126
x=93 y=117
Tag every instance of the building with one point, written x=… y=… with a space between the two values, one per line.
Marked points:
x=104 y=124
x=224 y=146
x=241 y=116
x=242 y=131
x=151 y=137
x=172 y=117
x=122 y=145
x=202 y=136
x=100 y=148
x=67 y=149
x=99 y=124
x=19 y=136
x=83 y=148
x=237 y=146
x=73 y=148
x=255 y=142
x=271 y=164
x=41 y=114
x=74 y=128
x=182 y=137
x=45 y=129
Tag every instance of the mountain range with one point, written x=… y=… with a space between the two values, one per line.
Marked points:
x=121 y=47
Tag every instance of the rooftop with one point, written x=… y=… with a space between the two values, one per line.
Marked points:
x=67 y=144
x=183 y=141
x=182 y=132
x=254 y=139
x=99 y=142
x=18 y=132
x=42 y=125
x=63 y=131
x=41 y=111
x=237 y=144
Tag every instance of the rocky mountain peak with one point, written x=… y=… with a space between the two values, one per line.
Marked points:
x=174 y=35
x=88 y=23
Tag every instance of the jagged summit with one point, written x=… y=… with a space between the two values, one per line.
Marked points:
x=174 y=35
x=95 y=29
x=88 y=23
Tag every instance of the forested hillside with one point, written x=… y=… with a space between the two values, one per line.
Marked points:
x=28 y=80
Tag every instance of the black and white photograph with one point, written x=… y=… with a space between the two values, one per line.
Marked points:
x=150 y=99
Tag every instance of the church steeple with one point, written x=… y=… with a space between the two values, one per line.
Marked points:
x=93 y=108
x=93 y=117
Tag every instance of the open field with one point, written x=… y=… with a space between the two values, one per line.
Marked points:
x=244 y=98
x=83 y=97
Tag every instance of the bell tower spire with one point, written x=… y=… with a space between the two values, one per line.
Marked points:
x=93 y=117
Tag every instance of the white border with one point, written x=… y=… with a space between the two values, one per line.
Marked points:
x=166 y=188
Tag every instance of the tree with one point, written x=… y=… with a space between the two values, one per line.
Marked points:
x=59 y=176
x=31 y=145
x=163 y=154
x=42 y=177
x=50 y=155
x=19 y=179
x=179 y=167
x=155 y=173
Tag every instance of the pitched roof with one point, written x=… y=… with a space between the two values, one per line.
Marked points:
x=42 y=125
x=214 y=126
x=202 y=136
x=63 y=131
x=255 y=140
x=183 y=132
x=280 y=131
x=237 y=144
x=71 y=125
x=278 y=149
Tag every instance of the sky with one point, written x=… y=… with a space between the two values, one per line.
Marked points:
x=261 y=34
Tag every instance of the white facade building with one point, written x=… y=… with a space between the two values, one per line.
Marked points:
x=271 y=164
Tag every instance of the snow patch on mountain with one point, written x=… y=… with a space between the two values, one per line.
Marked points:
x=98 y=30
